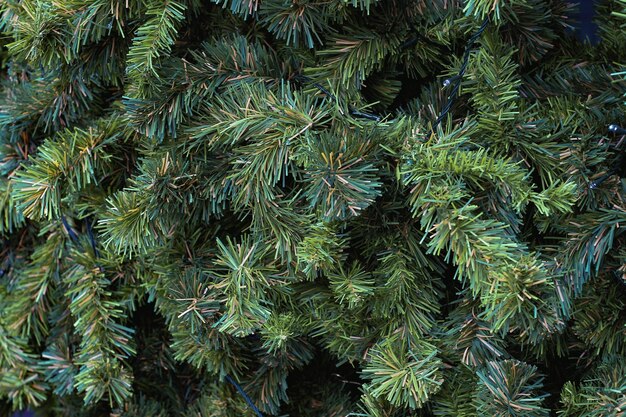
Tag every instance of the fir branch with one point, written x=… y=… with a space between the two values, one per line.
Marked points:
x=510 y=388
x=403 y=375
x=69 y=162
x=298 y=22
x=153 y=39
x=242 y=279
x=193 y=81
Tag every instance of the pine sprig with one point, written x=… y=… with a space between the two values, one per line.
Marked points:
x=403 y=375
x=153 y=39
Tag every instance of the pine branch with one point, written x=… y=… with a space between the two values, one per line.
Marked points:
x=152 y=40
x=403 y=375
x=510 y=388
x=69 y=162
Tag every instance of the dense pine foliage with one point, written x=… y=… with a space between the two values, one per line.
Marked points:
x=199 y=197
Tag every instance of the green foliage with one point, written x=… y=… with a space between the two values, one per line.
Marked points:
x=188 y=83
x=340 y=181
x=105 y=342
x=154 y=38
x=469 y=339
x=194 y=193
x=320 y=250
x=601 y=393
x=296 y=22
x=11 y=217
x=244 y=282
x=509 y=388
x=600 y=319
x=404 y=374
x=352 y=286
x=75 y=159
x=39 y=29
x=456 y=397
